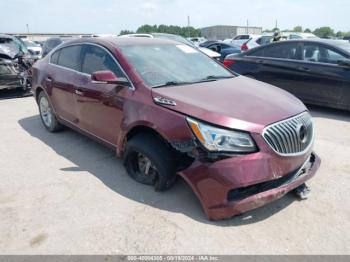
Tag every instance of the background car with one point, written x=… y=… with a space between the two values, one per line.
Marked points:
x=52 y=42
x=296 y=35
x=252 y=42
x=34 y=48
x=239 y=40
x=316 y=71
x=224 y=49
x=15 y=63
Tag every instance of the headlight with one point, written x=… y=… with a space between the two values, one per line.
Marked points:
x=221 y=140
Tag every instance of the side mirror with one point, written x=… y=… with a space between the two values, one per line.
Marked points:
x=108 y=77
x=344 y=62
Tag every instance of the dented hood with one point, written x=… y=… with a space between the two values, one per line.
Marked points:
x=238 y=103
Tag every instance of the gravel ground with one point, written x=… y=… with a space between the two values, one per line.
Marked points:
x=66 y=194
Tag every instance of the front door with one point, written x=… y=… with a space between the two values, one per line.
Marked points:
x=61 y=80
x=279 y=65
x=100 y=105
x=325 y=82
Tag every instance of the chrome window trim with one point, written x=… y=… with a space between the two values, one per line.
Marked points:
x=132 y=87
x=287 y=120
x=296 y=61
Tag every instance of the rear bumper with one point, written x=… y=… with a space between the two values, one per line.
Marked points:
x=224 y=195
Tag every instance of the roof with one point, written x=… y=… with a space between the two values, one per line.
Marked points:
x=6 y=36
x=342 y=45
x=123 y=41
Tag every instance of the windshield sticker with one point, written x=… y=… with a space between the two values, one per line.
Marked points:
x=187 y=49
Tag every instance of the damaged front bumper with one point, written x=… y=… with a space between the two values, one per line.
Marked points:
x=233 y=186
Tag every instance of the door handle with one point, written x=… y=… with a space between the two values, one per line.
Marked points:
x=260 y=61
x=79 y=92
x=49 y=79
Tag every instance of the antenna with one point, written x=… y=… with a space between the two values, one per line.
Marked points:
x=188 y=26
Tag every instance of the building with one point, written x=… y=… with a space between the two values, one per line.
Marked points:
x=221 y=32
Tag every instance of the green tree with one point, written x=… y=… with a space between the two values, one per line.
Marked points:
x=307 y=30
x=170 y=29
x=298 y=29
x=126 y=32
x=324 y=32
x=340 y=34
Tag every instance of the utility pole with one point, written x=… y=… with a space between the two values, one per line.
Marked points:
x=247 y=27
x=27 y=28
x=188 y=26
x=276 y=26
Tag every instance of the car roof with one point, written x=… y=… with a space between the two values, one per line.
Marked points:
x=123 y=41
x=6 y=36
x=342 y=45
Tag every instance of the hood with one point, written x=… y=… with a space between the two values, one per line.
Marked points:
x=9 y=50
x=238 y=103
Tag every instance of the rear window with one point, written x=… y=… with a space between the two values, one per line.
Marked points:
x=285 y=51
x=70 y=57
x=242 y=37
x=54 y=58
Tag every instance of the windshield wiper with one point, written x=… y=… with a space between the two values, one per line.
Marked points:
x=213 y=77
x=172 y=83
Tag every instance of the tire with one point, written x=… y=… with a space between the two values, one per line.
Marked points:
x=47 y=115
x=161 y=173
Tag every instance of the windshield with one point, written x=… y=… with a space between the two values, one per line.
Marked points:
x=160 y=65
x=14 y=43
x=30 y=44
x=175 y=38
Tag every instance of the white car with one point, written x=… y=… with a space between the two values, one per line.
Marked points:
x=34 y=48
x=239 y=40
x=295 y=35
x=180 y=39
x=257 y=40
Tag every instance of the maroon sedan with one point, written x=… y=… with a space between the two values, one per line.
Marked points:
x=169 y=110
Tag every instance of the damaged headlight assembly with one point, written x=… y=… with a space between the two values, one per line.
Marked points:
x=221 y=140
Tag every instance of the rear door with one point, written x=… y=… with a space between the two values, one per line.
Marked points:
x=100 y=105
x=325 y=82
x=61 y=80
x=279 y=65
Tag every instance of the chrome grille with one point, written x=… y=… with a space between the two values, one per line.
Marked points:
x=291 y=136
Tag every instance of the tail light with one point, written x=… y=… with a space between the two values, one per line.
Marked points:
x=244 y=47
x=228 y=62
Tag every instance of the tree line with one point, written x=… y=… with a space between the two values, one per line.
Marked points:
x=324 y=32
x=169 y=29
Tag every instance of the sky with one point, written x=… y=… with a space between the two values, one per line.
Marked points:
x=111 y=16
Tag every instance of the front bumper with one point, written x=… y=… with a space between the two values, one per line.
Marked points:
x=235 y=185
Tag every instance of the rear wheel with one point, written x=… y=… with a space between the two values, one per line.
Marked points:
x=149 y=161
x=47 y=115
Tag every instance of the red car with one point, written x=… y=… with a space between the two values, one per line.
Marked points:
x=170 y=110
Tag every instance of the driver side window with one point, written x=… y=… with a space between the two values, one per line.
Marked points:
x=97 y=59
x=317 y=53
